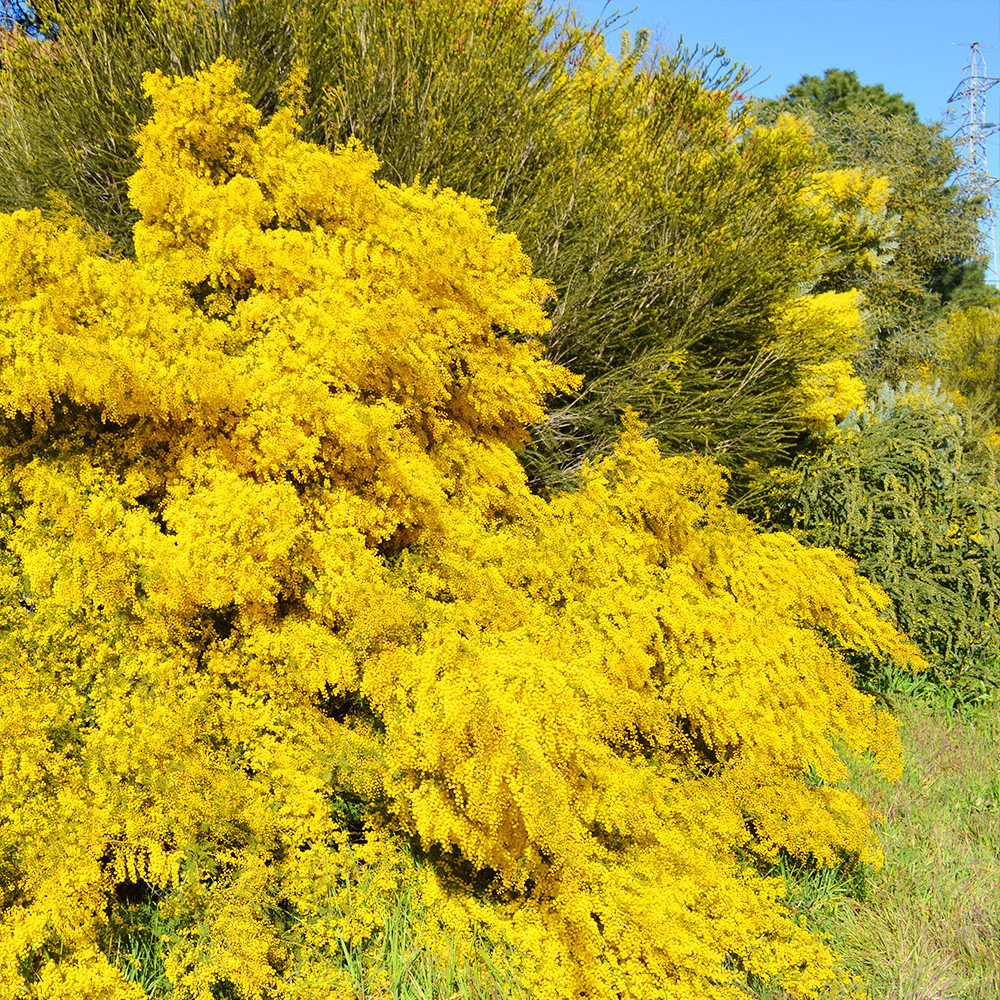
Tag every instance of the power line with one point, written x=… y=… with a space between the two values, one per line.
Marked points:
x=974 y=174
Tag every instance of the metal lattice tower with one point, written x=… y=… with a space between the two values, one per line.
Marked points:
x=974 y=174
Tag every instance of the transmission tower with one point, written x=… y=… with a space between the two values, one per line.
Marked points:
x=974 y=174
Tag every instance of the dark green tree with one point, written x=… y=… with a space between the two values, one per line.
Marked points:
x=964 y=286
x=838 y=91
x=938 y=233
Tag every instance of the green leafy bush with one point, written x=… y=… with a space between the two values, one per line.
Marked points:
x=907 y=490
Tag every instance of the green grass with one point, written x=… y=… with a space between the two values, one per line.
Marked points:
x=134 y=934
x=927 y=926
x=397 y=966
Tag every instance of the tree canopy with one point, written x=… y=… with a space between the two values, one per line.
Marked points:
x=937 y=247
x=838 y=91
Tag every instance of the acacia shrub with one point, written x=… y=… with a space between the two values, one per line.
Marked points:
x=267 y=550
x=674 y=233
x=968 y=358
x=71 y=104
x=938 y=232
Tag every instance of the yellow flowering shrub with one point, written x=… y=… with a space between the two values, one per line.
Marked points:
x=967 y=357
x=267 y=557
x=848 y=205
x=825 y=328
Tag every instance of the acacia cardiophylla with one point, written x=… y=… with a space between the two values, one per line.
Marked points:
x=268 y=552
x=673 y=233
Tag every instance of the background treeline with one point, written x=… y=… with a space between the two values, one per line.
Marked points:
x=501 y=618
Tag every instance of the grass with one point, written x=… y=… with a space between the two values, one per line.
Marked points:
x=392 y=965
x=398 y=967
x=134 y=935
x=927 y=926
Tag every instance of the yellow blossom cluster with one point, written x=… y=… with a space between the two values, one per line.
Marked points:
x=266 y=549
x=825 y=328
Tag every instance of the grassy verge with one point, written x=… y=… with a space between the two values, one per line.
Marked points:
x=927 y=926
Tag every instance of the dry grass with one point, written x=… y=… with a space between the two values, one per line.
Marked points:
x=929 y=928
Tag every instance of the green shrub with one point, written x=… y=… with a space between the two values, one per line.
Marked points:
x=908 y=491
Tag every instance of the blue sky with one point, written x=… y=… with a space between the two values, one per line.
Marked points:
x=906 y=45
x=917 y=48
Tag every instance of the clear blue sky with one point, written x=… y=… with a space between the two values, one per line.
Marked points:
x=903 y=44
x=906 y=45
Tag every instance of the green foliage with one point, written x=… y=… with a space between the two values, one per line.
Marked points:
x=908 y=492
x=679 y=242
x=838 y=91
x=937 y=235
x=135 y=943
x=390 y=74
x=938 y=231
x=963 y=286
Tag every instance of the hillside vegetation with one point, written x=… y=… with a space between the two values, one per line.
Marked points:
x=450 y=521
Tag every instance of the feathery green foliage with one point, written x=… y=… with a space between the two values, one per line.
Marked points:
x=905 y=489
x=839 y=90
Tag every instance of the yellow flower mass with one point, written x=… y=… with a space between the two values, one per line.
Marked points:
x=266 y=549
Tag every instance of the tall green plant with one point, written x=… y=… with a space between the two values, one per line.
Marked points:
x=968 y=349
x=70 y=110
x=906 y=490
